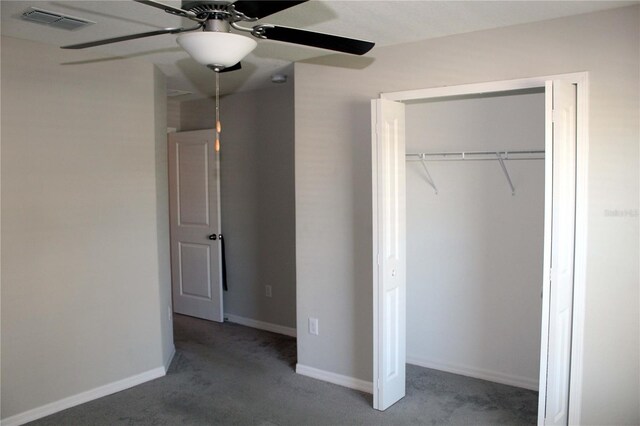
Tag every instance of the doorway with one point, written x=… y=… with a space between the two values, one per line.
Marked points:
x=475 y=226
x=562 y=286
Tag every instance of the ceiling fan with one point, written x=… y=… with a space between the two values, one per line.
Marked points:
x=219 y=49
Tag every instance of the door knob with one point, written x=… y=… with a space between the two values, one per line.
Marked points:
x=213 y=237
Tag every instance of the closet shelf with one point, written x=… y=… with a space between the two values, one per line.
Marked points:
x=477 y=155
x=499 y=156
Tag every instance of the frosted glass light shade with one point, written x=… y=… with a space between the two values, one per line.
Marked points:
x=216 y=48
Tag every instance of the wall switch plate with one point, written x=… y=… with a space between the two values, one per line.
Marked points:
x=169 y=313
x=313 y=326
x=267 y=290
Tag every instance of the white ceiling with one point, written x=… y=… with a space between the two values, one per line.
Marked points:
x=384 y=22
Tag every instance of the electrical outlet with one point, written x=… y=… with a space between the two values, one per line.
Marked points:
x=267 y=290
x=313 y=326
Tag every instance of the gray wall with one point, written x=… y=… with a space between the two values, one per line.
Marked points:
x=474 y=251
x=333 y=186
x=258 y=209
x=173 y=113
x=82 y=282
x=162 y=215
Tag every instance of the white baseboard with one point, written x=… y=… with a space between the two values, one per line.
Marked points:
x=81 y=398
x=337 y=379
x=261 y=325
x=168 y=363
x=492 y=376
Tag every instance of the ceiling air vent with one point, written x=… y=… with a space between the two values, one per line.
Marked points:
x=53 y=19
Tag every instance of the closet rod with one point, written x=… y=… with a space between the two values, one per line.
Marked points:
x=499 y=156
x=477 y=155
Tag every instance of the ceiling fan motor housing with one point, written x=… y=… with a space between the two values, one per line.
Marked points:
x=206 y=9
x=217 y=25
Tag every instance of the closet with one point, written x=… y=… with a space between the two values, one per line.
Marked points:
x=475 y=216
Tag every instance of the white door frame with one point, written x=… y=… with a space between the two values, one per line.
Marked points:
x=581 y=81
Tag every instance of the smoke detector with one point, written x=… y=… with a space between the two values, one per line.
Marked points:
x=279 y=78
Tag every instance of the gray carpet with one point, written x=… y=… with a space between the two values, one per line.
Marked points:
x=227 y=374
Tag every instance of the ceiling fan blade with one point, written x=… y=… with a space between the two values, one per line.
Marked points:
x=261 y=8
x=310 y=38
x=169 y=9
x=232 y=68
x=129 y=37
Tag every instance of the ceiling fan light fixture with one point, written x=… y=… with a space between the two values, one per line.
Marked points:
x=219 y=49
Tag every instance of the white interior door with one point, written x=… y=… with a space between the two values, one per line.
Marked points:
x=389 y=252
x=194 y=197
x=561 y=143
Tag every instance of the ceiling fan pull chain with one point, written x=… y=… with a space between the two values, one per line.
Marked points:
x=218 y=125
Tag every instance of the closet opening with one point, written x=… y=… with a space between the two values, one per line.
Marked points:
x=479 y=242
x=475 y=242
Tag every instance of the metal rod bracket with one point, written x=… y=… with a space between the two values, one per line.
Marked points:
x=506 y=172
x=429 y=178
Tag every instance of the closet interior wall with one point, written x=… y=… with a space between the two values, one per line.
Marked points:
x=474 y=250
